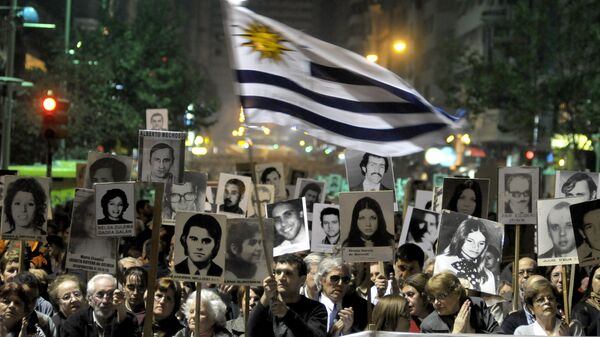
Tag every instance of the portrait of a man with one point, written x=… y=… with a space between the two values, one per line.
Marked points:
x=517 y=189
x=579 y=184
x=162 y=157
x=330 y=222
x=291 y=228
x=156 y=119
x=586 y=221
x=272 y=174
x=232 y=195
x=556 y=235
x=201 y=240
x=186 y=197
x=373 y=168
x=311 y=190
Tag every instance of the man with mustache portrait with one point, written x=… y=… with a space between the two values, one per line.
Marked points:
x=372 y=167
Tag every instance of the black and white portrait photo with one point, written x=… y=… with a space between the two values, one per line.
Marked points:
x=272 y=174
x=199 y=254
x=188 y=196
x=233 y=194
x=87 y=251
x=367 y=226
x=266 y=195
x=466 y=195
x=161 y=156
x=586 y=224
x=295 y=175
x=107 y=168
x=2 y=174
x=157 y=119
x=576 y=184
x=556 y=237
x=326 y=232
x=423 y=199
x=291 y=227
x=518 y=193
x=470 y=248
x=312 y=190
x=115 y=209
x=421 y=228
x=25 y=208
x=246 y=259
x=368 y=172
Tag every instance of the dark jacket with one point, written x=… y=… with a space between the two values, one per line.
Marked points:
x=359 y=307
x=481 y=320
x=168 y=327
x=306 y=318
x=588 y=316
x=513 y=321
x=81 y=324
x=213 y=269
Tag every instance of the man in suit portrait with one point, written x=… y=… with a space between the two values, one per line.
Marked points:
x=517 y=189
x=232 y=195
x=162 y=158
x=580 y=185
x=560 y=230
x=200 y=239
x=330 y=222
x=372 y=167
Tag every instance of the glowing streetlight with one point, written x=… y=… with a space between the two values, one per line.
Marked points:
x=400 y=46
x=372 y=58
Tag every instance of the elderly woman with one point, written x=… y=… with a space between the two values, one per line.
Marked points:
x=467 y=199
x=414 y=291
x=167 y=299
x=25 y=207
x=368 y=227
x=67 y=293
x=541 y=298
x=587 y=311
x=465 y=256
x=391 y=314
x=212 y=316
x=17 y=315
x=114 y=204
x=455 y=312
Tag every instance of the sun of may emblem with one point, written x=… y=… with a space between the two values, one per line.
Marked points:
x=265 y=41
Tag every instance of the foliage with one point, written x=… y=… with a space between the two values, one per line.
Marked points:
x=119 y=70
x=543 y=62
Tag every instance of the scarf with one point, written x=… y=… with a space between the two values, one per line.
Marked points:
x=469 y=270
x=594 y=300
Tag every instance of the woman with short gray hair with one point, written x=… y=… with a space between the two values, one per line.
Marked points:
x=212 y=315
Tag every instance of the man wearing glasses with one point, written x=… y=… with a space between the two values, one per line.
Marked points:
x=282 y=311
x=346 y=311
x=518 y=193
x=183 y=198
x=106 y=315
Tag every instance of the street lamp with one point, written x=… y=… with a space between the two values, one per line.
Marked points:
x=400 y=46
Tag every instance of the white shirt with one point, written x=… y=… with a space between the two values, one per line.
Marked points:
x=535 y=329
x=328 y=303
x=367 y=186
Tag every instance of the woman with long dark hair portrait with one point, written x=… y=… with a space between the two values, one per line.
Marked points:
x=368 y=228
x=465 y=256
x=467 y=199
x=25 y=205
x=114 y=204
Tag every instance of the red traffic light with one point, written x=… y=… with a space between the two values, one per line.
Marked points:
x=529 y=154
x=49 y=104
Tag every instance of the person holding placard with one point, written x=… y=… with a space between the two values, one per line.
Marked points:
x=587 y=311
x=167 y=299
x=368 y=227
x=17 y=315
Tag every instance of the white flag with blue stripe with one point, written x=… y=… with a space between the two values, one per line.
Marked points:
x=289 y=78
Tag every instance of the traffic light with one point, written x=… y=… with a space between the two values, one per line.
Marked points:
x=54 y=116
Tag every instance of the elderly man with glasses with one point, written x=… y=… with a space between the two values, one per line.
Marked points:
x=346 y=311
x=106 y=316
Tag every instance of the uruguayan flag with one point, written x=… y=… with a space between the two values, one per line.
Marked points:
x=289 y=78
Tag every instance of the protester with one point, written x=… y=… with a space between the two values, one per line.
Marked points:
x=67 y=293
x=541 y=298
x=408 y=260
x=520 y=317
x=391 y=313
x=419 y=307
x=310 y=288
x=333 y=279
x=587 y=311
x=237 y=326
x=17 y=314
x=167 y=299
x=455 y=312
x=9 y=266
x=282 y=311
x=32 y=284
x=212 y=315
x=135 y=281
x=106 y=316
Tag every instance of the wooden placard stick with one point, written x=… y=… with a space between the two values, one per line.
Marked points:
x=515 y=268
x=565 y=292
x=152 y=273
x=369 y=306
x=197 y=309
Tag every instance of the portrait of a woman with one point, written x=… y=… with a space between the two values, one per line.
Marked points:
x=114 y=204
x=25 y=206
x=368 y=227
x=245 y=258
x=83 y=238
x=465 y=256
x=467 y=199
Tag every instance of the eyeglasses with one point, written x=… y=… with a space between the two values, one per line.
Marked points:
x=516 y=194
x=75 y=294
x=104 y=294
x=162 y=297
x=528 y=271
x=335 y=279
x=542 y=299
x=438 y=297
x=176 y=197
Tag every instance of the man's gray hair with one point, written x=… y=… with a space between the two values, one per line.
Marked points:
x=91 y=285
x=312 y=259
x=214 y=305
x=327 y=265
